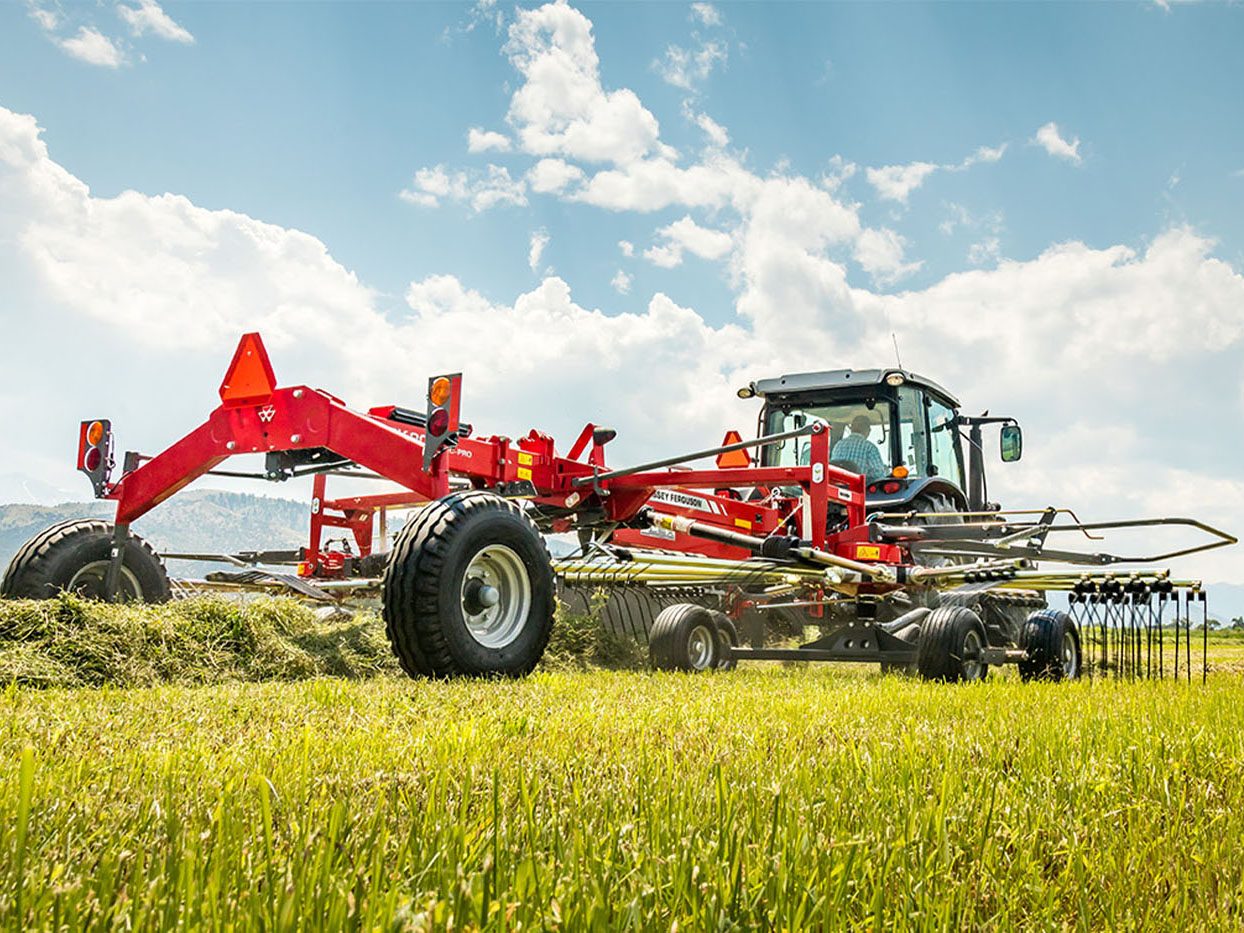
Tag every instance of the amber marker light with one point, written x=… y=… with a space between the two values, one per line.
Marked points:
x=439 y=393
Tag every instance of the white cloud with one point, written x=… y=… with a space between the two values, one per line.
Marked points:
x=1051 y=140
x=550 y=176
x=627 y=247
x=535 y=250
x=482 y=190
x=880 y=254
x=716 y=133
x=621 y=282
x=93 y=47
x=986 y=252
x=561 y=108
x=838 y=173
x=687 y=68
x=686 y=235
x=149 y=17
x=983 y=154
x=706 y=13
x=479 y=140
x=48 y=20
x=897 y=182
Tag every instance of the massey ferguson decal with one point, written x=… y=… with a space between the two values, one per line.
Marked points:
x=684 y=500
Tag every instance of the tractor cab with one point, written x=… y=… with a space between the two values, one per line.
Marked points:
x=902 y=431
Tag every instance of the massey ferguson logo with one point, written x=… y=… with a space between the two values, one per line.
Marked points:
x=267 y=413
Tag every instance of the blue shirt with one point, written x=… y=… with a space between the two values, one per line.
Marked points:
x=863 y=453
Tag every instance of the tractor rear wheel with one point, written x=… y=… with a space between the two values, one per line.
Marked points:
x=1053 y=644
x=74 y=557
x=684 y=638
x=951 y=641
x=469 y=590
x=727 y=638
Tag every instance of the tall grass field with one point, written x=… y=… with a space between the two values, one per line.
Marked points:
x=321 y=791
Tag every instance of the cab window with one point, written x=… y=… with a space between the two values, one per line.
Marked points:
x=945 y=452
x=913 y=432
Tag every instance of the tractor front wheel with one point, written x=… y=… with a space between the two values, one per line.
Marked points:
x=75 y=556
x=469 y=590
x=951 y=642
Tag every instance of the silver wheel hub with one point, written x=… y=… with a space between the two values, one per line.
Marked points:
x=496 y=596
x=1071 y=656
x=701 y=645
x=92 y=579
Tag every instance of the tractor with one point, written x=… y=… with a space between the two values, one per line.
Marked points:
x=914 y=425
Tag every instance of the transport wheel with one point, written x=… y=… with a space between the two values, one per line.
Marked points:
x=727 y=638
x=1053 y=644
x=684 y=638
x=469 y=590
x=74 y=556
x=951 y=641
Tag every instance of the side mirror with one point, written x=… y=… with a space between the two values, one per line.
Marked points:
x=1012 y=443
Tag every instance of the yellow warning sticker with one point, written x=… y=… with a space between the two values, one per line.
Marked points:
x=743 y=523
x=526 y=459
x=524 y=473
x=867 y=552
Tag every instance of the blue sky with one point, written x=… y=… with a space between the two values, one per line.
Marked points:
x=1042 y=200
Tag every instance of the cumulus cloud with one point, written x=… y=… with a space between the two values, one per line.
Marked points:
x=93 y=47
x=1052 y=141
x=479 y=140
x=561 y=109
x=897 y=182
x=550 y=176
x=627 y=248
x=621 y=282
x=716 y=133
x=686 y=235
x=148 y=16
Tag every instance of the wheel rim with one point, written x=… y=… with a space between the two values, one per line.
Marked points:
x=90 y=581
x=700 y=645
x=1071 y=656
x=973 y=669
x=496 y=596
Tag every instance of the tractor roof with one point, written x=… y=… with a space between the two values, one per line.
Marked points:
x=804 y=383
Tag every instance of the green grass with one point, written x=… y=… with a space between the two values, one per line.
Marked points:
x=768 y=797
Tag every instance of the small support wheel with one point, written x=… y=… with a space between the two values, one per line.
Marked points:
x=74 y=557
x=1053 y=644
x=469 y=590
x=684 y=637
x=951 y=641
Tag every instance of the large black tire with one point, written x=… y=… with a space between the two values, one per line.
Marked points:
x=934 y=506
x=727 y=638
x=1053 y=644
x=683 y=638
x=951 y=639
x=440 y=617
x=73 y=556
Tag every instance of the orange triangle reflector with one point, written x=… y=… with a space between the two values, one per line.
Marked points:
x=733 y=459
x=249 y=379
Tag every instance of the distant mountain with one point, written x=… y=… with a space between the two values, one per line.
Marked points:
x=203 y=521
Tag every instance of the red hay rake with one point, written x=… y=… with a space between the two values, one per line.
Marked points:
x=469 y=587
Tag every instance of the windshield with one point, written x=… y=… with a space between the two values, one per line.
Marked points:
x=859 y=436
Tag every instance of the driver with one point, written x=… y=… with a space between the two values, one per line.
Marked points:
x=857 y=448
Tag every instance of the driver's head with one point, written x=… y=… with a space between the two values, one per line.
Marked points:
x=861 y=425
